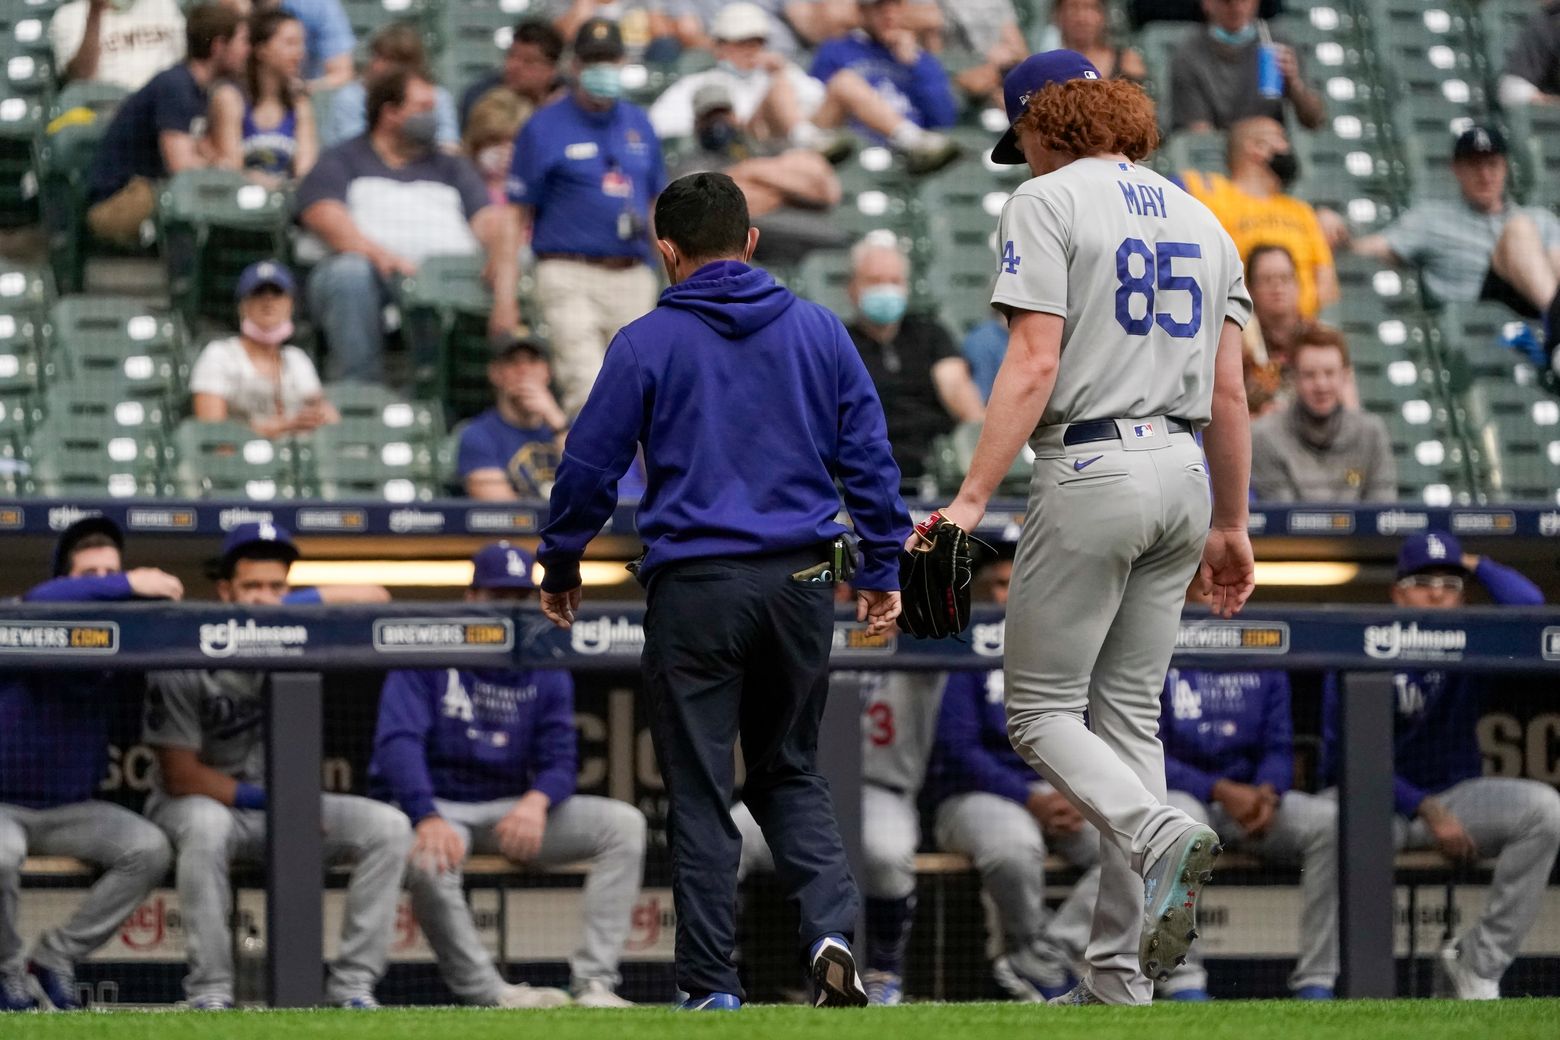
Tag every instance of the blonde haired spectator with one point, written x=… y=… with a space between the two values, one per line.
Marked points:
x=489 y=140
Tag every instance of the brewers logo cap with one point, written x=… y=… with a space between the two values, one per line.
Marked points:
x=502 y=565
x=1028 y=78
x=262 y=274
x=598 y=40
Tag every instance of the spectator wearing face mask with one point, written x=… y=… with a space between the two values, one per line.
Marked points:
x=381 y=204
x=1253 y=205
x=256 y=377
x=489 y=139
x=398 y=45
x=1216 y=76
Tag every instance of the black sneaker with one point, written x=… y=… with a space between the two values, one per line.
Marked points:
x=836 y=983
x=932 y=153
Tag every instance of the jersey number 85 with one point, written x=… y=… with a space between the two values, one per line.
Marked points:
x=1158 y=273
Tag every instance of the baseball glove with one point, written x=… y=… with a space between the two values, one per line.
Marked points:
x=935 y=578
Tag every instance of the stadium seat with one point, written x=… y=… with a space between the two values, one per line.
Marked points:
x=1472 y=345
x=822 y=278
x=92 y=456
x=421 y=421
x=25 y=71
x=99 y=335
x=1428 y=126
x=229 y=460
x=64 y=159
x=21 y=121
x=366 y=458
x=213 y=224
x=957 y=282
x=25 y=291
x=1533 y=132
x=476 y=34
x=1518 y=432
x=447 y=302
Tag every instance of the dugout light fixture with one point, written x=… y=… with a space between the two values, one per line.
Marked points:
x=425 y=573
x=1302 y=572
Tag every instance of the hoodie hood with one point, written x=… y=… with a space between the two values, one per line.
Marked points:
x=730 y=297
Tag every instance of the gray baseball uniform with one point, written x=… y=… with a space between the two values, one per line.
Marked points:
x=1145 y=278
x=219 y=715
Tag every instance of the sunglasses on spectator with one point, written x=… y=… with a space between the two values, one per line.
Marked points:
x=1439 y=582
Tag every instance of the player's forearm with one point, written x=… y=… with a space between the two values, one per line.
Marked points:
x=1018 y=400
x=1227 y=440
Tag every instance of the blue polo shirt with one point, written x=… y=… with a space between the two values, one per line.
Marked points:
x=580 y=170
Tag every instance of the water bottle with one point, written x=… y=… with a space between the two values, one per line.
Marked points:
x=1270 y=78
x=250 y=985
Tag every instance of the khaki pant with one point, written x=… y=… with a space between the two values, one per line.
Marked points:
x=584 y=306
x=119 y=217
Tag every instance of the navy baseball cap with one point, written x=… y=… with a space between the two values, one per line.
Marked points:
x=1431 y=551
x=1478 y=141
x=1028 y=78
x=243 y=542
x=264 y=273
x=502 y=565
x=79 y=530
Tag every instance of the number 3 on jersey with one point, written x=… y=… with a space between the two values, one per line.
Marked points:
x=1158 y=274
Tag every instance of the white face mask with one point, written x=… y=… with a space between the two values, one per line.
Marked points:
x=494 y=160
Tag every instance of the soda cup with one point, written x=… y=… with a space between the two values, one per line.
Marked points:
x=1270 y=78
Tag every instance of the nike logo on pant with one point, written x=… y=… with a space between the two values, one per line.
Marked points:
x=1083 y=464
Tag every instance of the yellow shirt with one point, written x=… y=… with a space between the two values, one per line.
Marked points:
x=1282 y=220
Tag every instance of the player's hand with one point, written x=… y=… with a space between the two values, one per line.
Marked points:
x=1243 y=802
x=520 y=832
x=878 y=609
x=1448 y=832
x=1055 y=814
x=559 y=607
x=537 y=399
x=1228 y=573
x=151 y=583
x=902 y=44
x=960 y=512
x=437 y=846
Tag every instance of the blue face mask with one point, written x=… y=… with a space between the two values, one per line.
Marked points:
x=604 y=81
x=884 y=304
x=1239 y=38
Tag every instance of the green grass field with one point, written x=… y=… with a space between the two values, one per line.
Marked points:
x=1227 y=1020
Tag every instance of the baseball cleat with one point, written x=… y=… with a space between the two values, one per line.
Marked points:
x=1171 y=889
x=836 y=982
x=1190 y=996
x=884 y=989
x=711 y=1002
x=519 y=995
x=210 y=1002
x=363 y=1002
x=1079 y=995
x=57 y=986
x=15 y=995
x=596 y=993
x=1456 y=979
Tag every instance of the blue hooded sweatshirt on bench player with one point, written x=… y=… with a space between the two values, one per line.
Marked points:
x=1226 y=726
x=750 y=403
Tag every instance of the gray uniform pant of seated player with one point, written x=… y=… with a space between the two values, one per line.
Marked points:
x=208 y=837
x=134 y=857
x=1304 y=833
x=1102 y=567
x=1518 y=823
x=605 y=832
x=1008 y=849
x=890 y=834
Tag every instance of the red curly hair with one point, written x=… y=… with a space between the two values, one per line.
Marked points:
x=1084 y=117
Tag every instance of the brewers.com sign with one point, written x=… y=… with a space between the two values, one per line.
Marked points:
x=1234 y=637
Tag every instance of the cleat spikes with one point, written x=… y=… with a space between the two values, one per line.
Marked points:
x=1180 y=960
x=1191 y=935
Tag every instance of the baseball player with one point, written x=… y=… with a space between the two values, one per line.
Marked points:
x=486 y=759
x=992 y=808
x=1443 y=800
x=1125 y=304
x=205 y=727
x=54 y=735
x=898 y=722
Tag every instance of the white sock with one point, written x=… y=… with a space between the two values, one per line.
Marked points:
x=806 y=135
x=906 y=136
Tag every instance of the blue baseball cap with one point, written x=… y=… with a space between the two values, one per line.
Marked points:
x=261 y=274
x=76 y=532
x=1431 y=551
x=1024 y=81
x=502 y=565
x=243 y=542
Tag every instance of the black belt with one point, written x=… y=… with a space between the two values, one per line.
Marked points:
x=1105 y=430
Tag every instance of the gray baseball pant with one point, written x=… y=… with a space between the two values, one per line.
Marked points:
x=134 y=856
x=1517 y=822
x=1304 y=832
x=208 y=837
x=1099 y=580
x=608 y=833
x=890 y=834
x=1008 y=849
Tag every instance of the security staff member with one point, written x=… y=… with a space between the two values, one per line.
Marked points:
x=749 y=404
x=585 y=171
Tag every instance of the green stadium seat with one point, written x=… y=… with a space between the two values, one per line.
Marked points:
x=958 y=283
x=422 y=421
x=229 y=460
x=1518 y=431
x=24 y=71
x=365 y=458
x=215 y=223
x=101 y=99
x=64 y=160
x=1500 y=24
x=25 y=291
x=367 y=15
x=99 y=335
x=950 y=459
x=476 y=35
x=822 y=278
x=21 y=121
x=1472 y=345
x=76 y=455
x=1428 y=126
x=447 y=303
x=1534 y=134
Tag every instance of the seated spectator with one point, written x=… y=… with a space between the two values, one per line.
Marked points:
x=1315 y=448
x=530 y=71
x=489 y=139
x=883 y=58
x=398 y=45
x=1254 y=208
x=586 y=170
x=984 y=347
x=1229 y=763
x=1276 y=323
x=994 y=808
x=647 y=30
x=381 y=204
x=485 y=760
x=121 y=42
x=158 y=131
x=1443 y=799
x=1213 y=74
x=1084 y=26
x=1532 y=72
x=1481 y=247
x=924 y=384
x=979 y=43
x=511 y=451
x=328 y=40
x=256 y=377
x=263 y=124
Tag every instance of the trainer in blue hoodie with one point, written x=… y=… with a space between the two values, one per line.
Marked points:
x=1443 y=799
x=486 y=759
x=1229 y=762
x=54 y=736
x=749 y=404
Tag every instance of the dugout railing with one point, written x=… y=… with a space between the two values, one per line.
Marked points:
x=298 y=644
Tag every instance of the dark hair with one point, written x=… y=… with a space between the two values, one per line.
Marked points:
x=92 y=540
x=262 y=26
x=390 y=89
x=402 y=44
x=540 y=35
x=205 y=25
x=704 y=215
x=228 y=565
x=1258 y=252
